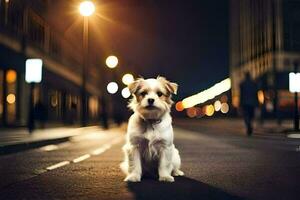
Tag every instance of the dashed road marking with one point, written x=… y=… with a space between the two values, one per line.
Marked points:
x=98 y=151
x=81 y=158
x=50 y=147
x=60 y=164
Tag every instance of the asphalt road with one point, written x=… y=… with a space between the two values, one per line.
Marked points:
x=218 y=163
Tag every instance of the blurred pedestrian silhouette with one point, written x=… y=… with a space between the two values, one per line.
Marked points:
x=40 y=113
x=104 y=114
x=248 y=101
x=73 y=112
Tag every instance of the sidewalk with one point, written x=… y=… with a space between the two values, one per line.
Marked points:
x=14 y=140
x=236 y=126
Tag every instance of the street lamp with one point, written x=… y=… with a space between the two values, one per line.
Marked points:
x=127 y=79
x=294 y=86
x=125 y=93
x=33 y=74
x=111 y=61
x=86 y=9
x=112 y=87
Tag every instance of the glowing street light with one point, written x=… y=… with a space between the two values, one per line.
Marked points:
x=33 y=70
x=127 y=79
x=112 y=87
x=86 y=8
x=125 y=93
x=294 y=86
x=112 y=61
x=294 y=82
x=33 y=74
x=207 y=94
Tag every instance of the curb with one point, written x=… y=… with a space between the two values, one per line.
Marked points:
x=14 y=148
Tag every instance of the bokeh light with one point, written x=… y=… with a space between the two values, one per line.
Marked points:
x=210 y=110
x=86 y=8
x=224 y=98
x=217 y=105
x=179 y=107
x=112 y=87
x=235 y=101
x=127 y=79
x=191 y=112
x=112 y=61
x=11 y=98
x=11 y=76
x=207 y=94
x=224 y=108
x=199 y=112
x=261 y=97
x=125 y=93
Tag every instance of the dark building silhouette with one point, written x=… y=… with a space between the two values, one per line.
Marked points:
x=25 y=32
x=265 y=40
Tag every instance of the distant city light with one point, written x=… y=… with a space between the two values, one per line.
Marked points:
x=224 y=98
x=112 y=61
x=207 y=94
x=217 y=105
x=54 y=100
x=86 y=8
x=11 y=98
x=199 y=112
x=112 y=87
x=260 y=96
x=210 y=110
x=125 y=93
x=11 y=76
x=191 y=112
x=294 y=82
x=224 y=108
x=127 y=79
x=235 y=101
x=179 y=107
x=33 y=70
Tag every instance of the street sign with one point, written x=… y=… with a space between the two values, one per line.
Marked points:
x=294 y=82
x=33 y=70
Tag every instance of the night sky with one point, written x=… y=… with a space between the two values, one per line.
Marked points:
x=186 y=41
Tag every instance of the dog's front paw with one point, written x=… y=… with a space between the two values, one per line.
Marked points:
x=178 y=173
x=166 y=178
x=133 y=178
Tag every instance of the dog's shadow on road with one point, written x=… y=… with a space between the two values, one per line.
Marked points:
x=182 y=189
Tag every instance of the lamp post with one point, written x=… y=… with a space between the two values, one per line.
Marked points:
x=86 y=9
x=33 y=74
x=294 y=86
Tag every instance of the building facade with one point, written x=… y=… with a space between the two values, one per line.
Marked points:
x=265 y=41
x=25 y=33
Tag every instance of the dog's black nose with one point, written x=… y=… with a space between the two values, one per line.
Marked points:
x=150 y=101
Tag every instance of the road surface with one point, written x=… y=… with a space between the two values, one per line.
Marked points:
x=218 y=164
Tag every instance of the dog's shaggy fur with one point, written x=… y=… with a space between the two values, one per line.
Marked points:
x=149 y=144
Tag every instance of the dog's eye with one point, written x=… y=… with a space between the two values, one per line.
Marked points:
x=159 y=94
x=144 y=93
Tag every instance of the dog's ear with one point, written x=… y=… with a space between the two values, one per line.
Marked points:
x=135 y=85
x=171 y=87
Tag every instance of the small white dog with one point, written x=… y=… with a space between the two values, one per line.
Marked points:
x=149 y=143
